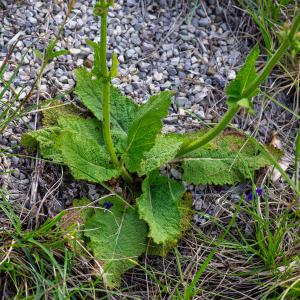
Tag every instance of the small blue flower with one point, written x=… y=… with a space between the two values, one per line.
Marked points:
x=107 y=205
x=258 y=193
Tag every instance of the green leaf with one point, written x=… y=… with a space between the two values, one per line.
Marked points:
x=247 y=74
x=38 y=54
x=186 y=217
x=123 y=109
x=159 y=207
x=117 y=238
x=97 y=58
x=227 y=160
x=54 y=54
x=164 y=150
x=76 y=142
x=114 y=66
x=86 y=158
x=145 y=127
x=44 y=140
x=68 y=118
x=86 y=128
x=246 y=103
x=92 y=128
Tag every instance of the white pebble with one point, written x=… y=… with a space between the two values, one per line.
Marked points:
x=157 y=76
x=231 y=75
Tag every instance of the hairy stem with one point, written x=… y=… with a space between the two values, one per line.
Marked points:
x=106 y=95
x=212 y=133
x=106 y=88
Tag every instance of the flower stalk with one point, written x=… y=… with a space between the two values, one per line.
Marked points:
x=212 y=133
x=101 y=9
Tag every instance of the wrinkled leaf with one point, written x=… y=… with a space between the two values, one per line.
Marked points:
x=92 y=128
x=117 y=238
x=159 y=207
x=145 y=127
x=54 y=110
x=228 y=159
x=86 y=128
x=67 y=117
x=45 y=141
x=87 y=160
x=123 y=109
x=186 y=216
x=164 y=150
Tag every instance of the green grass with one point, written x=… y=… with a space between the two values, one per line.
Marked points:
x=269 y=17
x=272 y=19
x=7 y=86
x=37 y=264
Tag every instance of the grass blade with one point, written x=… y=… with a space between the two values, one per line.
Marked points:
x=189 y=291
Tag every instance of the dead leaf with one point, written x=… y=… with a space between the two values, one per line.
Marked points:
x=276 y=142
x=284 y=164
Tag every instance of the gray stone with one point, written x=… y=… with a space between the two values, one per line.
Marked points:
x=130 y=53
x=182 y=75
x=135 y=39
x=15 y=160
x=181 y=101
x=32 y=20
x=204 y=22
x=175 y=173
x=172 y=71
x=75 y=51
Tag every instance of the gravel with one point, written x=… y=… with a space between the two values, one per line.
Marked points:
x=193 y=50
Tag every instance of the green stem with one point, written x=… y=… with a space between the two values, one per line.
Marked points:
x=106 y=89
x=212 y=133
x=106 y=96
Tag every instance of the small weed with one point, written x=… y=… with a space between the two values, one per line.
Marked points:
x=270 y=232
x=274 y=242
